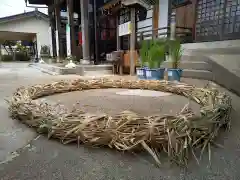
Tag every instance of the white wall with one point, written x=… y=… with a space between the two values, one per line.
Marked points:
x=162 y=22
x=163 y=15
x=143 y=25
x=30 y=25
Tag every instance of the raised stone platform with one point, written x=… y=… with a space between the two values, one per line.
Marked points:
x=82 y=70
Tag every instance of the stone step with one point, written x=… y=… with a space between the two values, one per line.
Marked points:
x=81 y=70
x=101 y=67
x=98 y=73
x=194 y=58
x=198 y=65
x=198 y=74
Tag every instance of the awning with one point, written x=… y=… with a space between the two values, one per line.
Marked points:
x=114 y=3
x=111 y=4
x=143 y=3
x=16 y=36
x=39 y=2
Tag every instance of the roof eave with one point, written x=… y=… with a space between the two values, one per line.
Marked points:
x=144 y=3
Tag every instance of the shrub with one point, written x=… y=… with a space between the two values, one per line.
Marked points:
x=6 y=58
x=20 y=56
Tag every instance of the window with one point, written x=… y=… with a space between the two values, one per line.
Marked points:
x=124 y=15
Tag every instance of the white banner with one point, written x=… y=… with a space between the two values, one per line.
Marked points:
x=68 y=40
x=57 y=43
x=124 y=29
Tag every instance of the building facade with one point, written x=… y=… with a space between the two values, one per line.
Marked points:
x=91 y=29
x=31 y=26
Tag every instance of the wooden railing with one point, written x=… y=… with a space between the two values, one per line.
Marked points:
x=183 y=33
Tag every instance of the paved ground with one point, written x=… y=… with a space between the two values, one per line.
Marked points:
x=113 y=101
x=47 y=160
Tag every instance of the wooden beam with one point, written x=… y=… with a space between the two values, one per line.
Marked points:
x=132 y=41
x=55 y=5
x=155 y=19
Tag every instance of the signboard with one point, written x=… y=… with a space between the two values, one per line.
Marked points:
x=68 y=38
x=124 y=29
x=57 y=44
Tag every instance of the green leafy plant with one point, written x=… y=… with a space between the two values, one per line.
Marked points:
x=45 y=50
x=144 y=53
x=175 y=51
x=7 y=58
x=155 y=54
x=21 y=48
x=152 y=53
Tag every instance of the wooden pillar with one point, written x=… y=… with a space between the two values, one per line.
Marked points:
x=53 y=29
x=58 y=32
x=0 y=52
x=85 y=31
x=118 y=37
x=71 y=25
x=132 y=41
x=96 y=47
x=155 y=19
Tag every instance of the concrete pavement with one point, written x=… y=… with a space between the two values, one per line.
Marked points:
x=44 y=159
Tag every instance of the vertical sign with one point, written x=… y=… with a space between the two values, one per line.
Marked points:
x=68 y=38
x=57 y=43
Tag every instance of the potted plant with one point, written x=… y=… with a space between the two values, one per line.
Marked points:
x=175 y=53
x=45 y=53
x=155 y=57
x=141 y=73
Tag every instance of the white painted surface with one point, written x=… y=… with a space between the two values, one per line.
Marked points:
x=146 y=25
x=50 y=40
x=228 y=61
x=214 y=44
x=163 y=15
x=146 y=93
x=30 y=25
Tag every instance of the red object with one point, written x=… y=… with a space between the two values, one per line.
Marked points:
x=80 y=38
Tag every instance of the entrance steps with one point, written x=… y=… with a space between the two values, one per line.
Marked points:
x=203 y=66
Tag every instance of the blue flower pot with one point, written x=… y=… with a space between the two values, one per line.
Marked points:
x=141 y=73
x=155 y=74
x=174 y=74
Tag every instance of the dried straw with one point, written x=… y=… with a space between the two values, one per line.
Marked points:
x=178 y=135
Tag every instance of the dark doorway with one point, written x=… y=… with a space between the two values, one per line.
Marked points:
x=107 y=35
